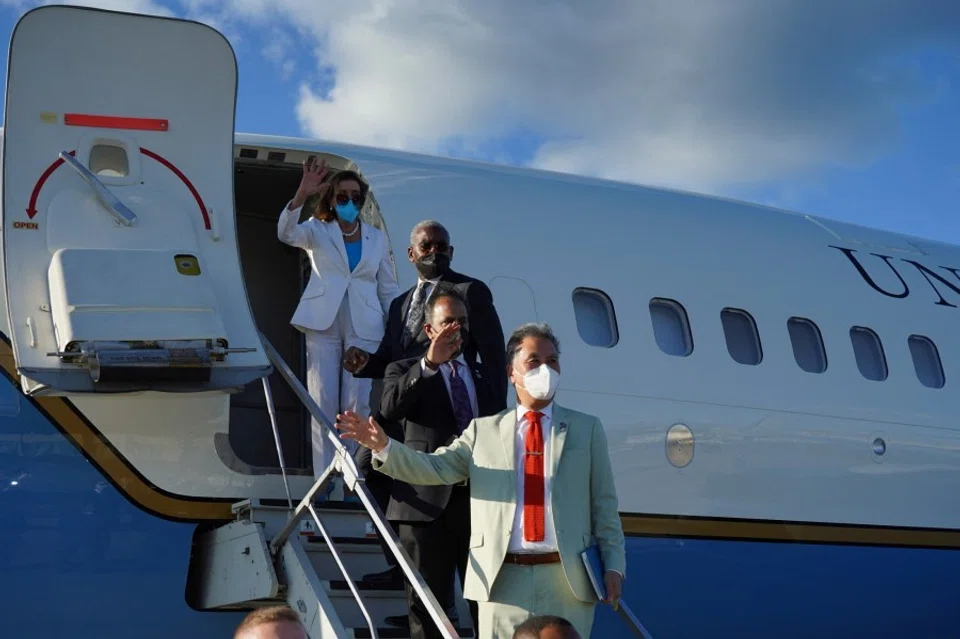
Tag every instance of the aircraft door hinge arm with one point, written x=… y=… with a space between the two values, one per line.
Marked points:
x=113 y=204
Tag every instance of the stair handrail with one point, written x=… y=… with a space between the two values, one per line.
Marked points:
x=631 y=620
x=343 y=569
x=343 y=461
x=277 y=543
x=272 y=411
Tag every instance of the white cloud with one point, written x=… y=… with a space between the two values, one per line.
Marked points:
x=703 y=95
x=686 y=93
x=129 y=6
x=277 y=50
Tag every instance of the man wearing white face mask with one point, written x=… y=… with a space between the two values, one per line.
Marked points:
x=541 y=491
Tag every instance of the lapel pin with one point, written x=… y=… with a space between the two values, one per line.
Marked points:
x=563 y=427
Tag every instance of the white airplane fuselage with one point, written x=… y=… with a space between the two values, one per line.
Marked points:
x=776 y=389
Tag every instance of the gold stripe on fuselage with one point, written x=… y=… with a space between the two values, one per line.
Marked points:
x=95 y=447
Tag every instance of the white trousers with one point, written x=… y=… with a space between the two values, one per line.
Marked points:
x=333 y=388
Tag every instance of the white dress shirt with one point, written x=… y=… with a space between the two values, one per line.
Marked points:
x=549 y=543
x=465 y=374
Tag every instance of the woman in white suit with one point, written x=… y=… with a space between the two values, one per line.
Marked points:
x=347 y=298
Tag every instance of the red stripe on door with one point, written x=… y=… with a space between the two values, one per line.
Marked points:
x=115 y=122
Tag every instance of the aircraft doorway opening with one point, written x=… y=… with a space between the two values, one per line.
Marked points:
x=275 y=274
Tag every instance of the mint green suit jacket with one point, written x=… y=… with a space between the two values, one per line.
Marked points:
x=583 y=494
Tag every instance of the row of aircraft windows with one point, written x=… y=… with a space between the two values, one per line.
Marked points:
x=597 y=325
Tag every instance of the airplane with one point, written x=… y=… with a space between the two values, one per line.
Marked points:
x=776 y=387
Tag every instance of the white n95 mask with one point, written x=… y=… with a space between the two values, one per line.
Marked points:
x=541 y=382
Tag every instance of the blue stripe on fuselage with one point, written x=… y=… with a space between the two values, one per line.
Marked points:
x=685 y=588
x=76 y=558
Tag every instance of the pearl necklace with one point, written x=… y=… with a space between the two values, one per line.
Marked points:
x=351 y=233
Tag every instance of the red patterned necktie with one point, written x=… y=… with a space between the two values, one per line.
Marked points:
x=533 y=489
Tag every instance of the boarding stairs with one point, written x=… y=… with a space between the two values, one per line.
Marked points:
x=262 y=559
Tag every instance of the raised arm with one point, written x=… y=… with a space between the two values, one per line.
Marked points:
x=288 y=229
x=445 y=466
x=311 y=183
x=404 y=384
x=406 y=381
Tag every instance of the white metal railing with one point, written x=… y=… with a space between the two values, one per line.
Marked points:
x=342 y=462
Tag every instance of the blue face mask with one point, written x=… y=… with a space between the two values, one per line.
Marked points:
x=347 y=212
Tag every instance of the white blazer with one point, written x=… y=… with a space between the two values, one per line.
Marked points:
x=369 y=288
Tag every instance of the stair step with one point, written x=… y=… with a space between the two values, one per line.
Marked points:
x=341 y=585
x=341 y=506
x=281 y=504
x=381 y=602
x=359 y=556
x=390 y=632
x=342 y=520
x=346 y=541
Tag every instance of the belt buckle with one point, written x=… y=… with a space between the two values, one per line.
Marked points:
x=521 y=558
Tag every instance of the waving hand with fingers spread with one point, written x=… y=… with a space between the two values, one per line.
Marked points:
x=311 y=183
x=366 y=433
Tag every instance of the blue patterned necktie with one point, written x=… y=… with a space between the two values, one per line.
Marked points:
x=462 y=410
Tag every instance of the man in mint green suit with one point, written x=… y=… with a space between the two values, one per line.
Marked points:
x=541 y=491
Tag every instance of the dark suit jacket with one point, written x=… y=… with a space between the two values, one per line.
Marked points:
x=486 y=333
x=424 y=408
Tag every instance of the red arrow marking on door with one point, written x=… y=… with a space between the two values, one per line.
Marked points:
x=32 y=207
x=183 y=178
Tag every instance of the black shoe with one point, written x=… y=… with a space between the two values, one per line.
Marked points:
x=399 y=621
x=390 y=578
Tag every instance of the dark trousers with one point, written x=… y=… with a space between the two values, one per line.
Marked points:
x=380 y=485
x=438 y=550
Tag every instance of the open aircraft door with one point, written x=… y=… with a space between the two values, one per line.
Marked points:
x=121 y=265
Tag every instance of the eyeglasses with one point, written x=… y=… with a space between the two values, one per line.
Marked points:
x=343 y=198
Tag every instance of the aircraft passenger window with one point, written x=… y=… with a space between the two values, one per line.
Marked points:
x=926 y=361
x=743 y=340
x=671 y=327
x=109 y=160
x=807 y=344
x=869 y=353
x=596 y=319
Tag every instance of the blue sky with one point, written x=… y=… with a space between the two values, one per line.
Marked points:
x=848 y=111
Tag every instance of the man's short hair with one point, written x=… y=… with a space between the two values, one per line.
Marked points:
x=532 y=627
x=522 y=332
x=269 y=614
x=427 y=224
x=442 y=292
